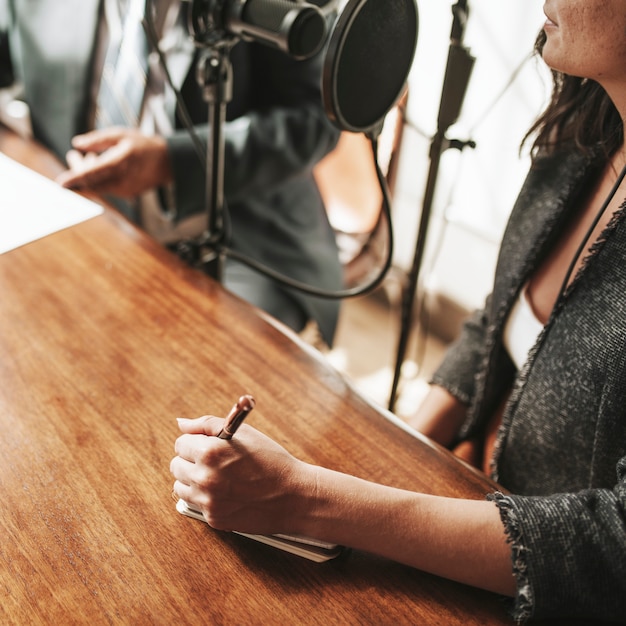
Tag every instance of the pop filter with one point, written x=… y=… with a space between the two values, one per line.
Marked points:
x=369 y=57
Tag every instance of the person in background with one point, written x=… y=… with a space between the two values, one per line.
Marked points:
x=534 y=389
x=276 y=131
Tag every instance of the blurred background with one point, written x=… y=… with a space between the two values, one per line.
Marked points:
x=475 y=191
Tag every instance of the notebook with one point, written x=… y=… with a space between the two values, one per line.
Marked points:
x=312 y=549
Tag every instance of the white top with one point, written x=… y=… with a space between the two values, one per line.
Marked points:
x=521 y=330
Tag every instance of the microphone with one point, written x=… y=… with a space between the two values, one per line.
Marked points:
x=293 y=26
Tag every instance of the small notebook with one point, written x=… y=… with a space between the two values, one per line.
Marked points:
x=312 y=549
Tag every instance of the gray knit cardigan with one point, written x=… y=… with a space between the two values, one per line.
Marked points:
x=561 y=449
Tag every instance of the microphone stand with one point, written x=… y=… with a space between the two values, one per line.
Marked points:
x=458 y=70
x=216 y=26
x=214 y=76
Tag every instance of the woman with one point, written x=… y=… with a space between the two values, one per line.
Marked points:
x=533 y=390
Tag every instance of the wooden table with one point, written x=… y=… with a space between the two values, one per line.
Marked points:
x=104 y=339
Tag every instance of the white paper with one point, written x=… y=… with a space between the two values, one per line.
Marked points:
x=32 y=206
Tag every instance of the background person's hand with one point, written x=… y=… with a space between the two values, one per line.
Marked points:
x=119 y=161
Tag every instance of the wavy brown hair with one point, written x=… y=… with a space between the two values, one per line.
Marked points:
x=579 y=114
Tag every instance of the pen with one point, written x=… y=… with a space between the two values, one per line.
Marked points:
x=235 y=418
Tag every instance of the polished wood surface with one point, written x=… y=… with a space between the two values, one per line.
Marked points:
x=104 y=339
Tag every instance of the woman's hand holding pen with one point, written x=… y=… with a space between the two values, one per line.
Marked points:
x=249 y=484
x=253 y=485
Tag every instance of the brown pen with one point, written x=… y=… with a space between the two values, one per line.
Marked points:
x=235 y=418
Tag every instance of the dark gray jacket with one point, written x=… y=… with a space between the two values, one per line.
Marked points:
x=276 y=131
x=561 y=449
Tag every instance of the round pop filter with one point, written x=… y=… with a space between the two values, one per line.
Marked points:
x=369 y=57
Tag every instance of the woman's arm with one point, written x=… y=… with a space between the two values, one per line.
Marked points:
x=463 y=540
x=252 y=484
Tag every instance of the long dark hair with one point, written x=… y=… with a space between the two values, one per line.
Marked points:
x=580 y=114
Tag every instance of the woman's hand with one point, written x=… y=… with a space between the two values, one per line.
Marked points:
x=248 y=483
x=439 y=416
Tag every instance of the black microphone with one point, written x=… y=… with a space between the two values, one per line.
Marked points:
x=293 y=26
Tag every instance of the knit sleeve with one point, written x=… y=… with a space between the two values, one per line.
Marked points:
x=457 y=371
x=568 y=552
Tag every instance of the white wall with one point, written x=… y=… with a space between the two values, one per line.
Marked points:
x=476 y=188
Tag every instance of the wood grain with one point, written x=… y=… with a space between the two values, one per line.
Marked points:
x=104 y=339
